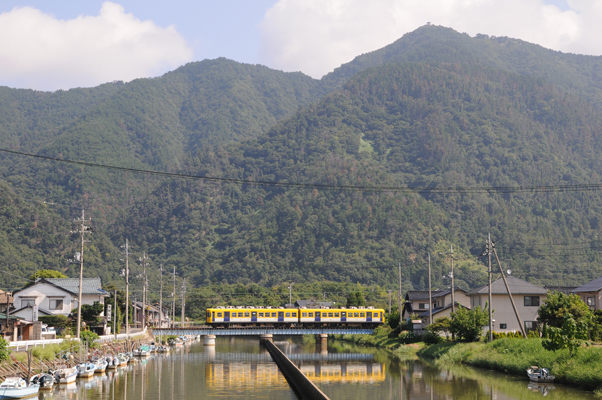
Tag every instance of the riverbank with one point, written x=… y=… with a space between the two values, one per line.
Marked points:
x=381 y=339
x=514 y=356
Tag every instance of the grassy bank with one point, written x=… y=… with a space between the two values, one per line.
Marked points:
x=514 y=356
x=381 y=339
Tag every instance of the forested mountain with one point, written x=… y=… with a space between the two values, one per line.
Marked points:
x=435 y=110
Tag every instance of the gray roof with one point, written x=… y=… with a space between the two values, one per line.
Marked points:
x=562 y=289
x=592 y=286
x=446 y=292
x=413 y=295
x=89 y=285
x=517 y=286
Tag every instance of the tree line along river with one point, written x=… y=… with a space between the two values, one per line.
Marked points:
x=240 y=368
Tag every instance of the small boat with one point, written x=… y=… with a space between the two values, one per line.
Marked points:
x=112 y=362
x=123 y=359
x=541 y=375
x=101 y=365
x=64 y=374
x=162 y=349
x=46 y=381
x=142 y=351
x=15 y=387
x=86 y=370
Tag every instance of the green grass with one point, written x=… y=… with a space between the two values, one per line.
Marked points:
x=514 y=356
x=381 y=339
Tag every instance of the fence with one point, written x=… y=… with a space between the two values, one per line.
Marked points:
x=24 y=345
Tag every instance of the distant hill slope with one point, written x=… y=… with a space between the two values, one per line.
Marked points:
x=432 y=44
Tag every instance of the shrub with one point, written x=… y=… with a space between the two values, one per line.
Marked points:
x=88 y=336
x=432 y=338
x=4 y=351
x=408 y=337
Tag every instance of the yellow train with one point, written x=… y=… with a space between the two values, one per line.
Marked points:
x=233 y=317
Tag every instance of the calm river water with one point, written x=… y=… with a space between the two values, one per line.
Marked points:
x=241 y=369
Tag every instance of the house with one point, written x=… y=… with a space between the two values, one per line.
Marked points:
x=527 y=297
x=6 y=300
x=590 y=293
x=417 y=301
x=153 y=315
x=439 y=312
x=54 y=296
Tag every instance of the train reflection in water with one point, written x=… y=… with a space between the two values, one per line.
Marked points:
x=258 y=375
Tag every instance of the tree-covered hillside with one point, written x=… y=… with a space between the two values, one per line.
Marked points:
x=436 y=110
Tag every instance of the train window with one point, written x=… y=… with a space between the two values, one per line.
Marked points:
x=304 y=314
x=288 y=315
x=260 y=315
x=219 y=314
x=362 y=315
x=294 y=314
x=311 y=314
x=239 y=315
x=247 y=314
x=273 y=315
x=336 y=314
x=330 y=314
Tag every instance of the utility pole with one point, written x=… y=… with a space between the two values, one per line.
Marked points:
x=489 y=288
x=183 y=287
x=173 y=304
x=144 y=259
x=79 y=258
x=430 y=294
x=126 y=273
x=290 y=294
x=453 y=307
x=115 y=322
x=389 y=302
x=520 y=322
x=161 y=300
x=400 y=292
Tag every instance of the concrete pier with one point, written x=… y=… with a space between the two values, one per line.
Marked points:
x=322 y=339
x=209 y=340
x=267 y=337
x=304 y=388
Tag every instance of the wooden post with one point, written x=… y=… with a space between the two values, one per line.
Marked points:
x=490 y=305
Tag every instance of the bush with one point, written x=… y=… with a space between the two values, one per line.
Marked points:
x=4 y=351
x=88 y=336
x=468 y=324
x=432 y=338
x=408 y=337
x=58 y=321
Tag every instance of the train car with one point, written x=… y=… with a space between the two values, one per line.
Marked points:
x=252 y=316
x=362 y=316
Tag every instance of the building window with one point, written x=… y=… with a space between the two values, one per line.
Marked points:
x=56 y=304
x=530 y=326
x=28 y=302
x=503 y=326
x=423 y=306
x=591 y=301
x=532 y=301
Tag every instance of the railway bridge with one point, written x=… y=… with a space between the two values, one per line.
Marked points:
x=264 y=333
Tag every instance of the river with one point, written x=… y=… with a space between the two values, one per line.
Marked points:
x=239 y=368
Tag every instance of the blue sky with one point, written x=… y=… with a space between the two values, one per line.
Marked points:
x=49 y=45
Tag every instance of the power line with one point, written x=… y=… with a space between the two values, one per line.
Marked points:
x=357 y=188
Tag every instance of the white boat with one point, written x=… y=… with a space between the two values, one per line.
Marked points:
x=162 y=349
x=86 y=370
x=541 y=375
x=65 y=375
x=46 y=381
x=15 y=387
x=101 y=366
x=142 y=351
x=112 y=362
x=123 y=359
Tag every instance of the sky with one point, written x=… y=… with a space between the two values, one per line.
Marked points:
x=62 y=44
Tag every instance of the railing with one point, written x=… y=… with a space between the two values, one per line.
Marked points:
x=26 y=344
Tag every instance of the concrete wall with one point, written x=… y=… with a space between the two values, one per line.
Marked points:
x=299 y=382
x=503 y=312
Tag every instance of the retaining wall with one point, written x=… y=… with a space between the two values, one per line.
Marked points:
x=299 y=382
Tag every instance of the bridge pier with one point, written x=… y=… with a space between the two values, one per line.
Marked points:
x=322 y=339
x=267 y=337
x=209 y=340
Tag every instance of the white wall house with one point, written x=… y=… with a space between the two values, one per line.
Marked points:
x=55 y=296
x=527 y=297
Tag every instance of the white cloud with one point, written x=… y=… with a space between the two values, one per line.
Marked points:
x=316 y=36
x=41 y=52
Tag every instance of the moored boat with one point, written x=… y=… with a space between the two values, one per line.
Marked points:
x=86 y=370
x=46 y=381
x=65 y=374
x=142 y=351
x=101 y=366
x=123 y=359
x=112 y=362
x=15 y=387
x=541 y=375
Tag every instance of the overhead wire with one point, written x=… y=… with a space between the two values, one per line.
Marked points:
x=359 y=188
